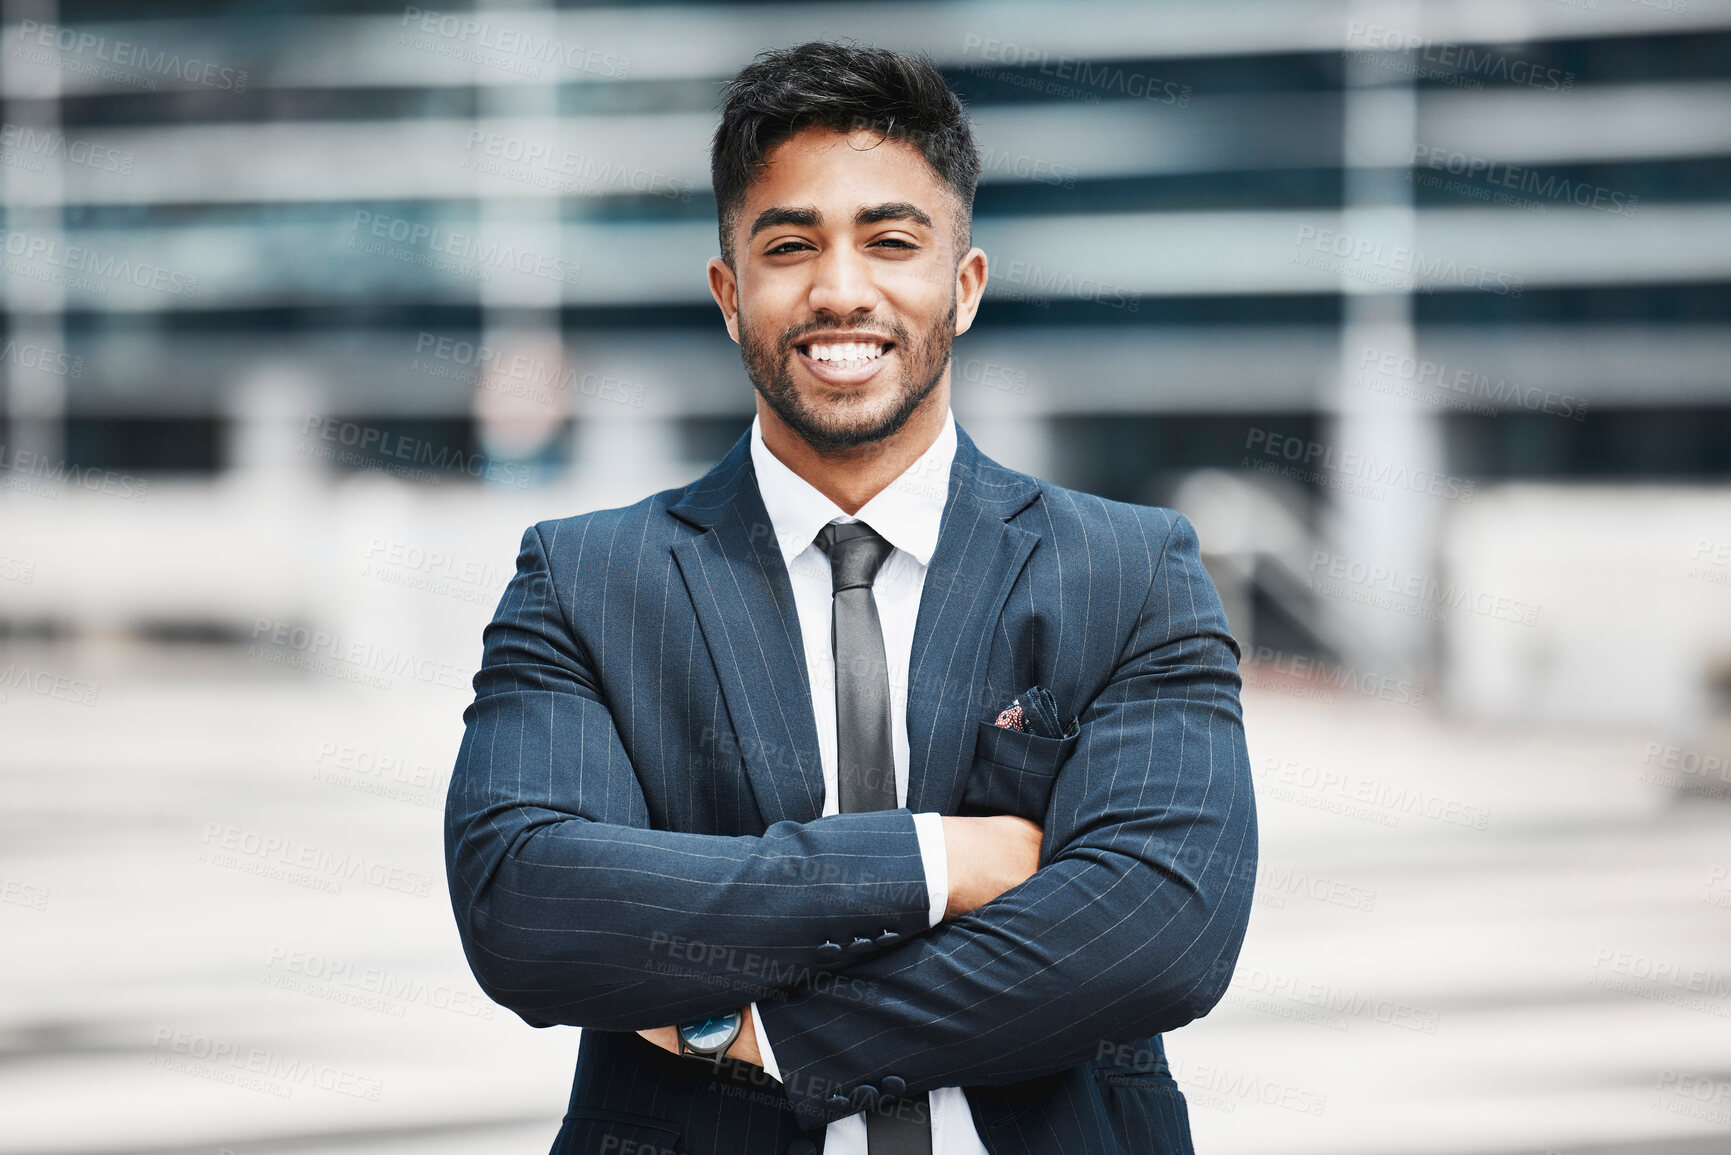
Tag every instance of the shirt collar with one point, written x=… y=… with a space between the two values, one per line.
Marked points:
x=907 y=512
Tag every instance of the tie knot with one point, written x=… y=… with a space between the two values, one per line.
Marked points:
x=855 y=552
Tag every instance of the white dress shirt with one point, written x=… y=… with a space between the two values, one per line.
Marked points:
x=907 y=514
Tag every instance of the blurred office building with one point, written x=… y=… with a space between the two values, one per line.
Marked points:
x=1418 y=310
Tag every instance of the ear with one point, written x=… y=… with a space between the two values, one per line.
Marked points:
x=724 y=287
x=970 y=287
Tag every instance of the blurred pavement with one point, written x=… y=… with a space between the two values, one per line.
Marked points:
x=226 y=930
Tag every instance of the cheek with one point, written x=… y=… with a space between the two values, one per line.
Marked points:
x=771 y=305
x=919 y=297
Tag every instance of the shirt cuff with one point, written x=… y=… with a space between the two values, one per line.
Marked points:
x=763 y=1051
x=930 y=830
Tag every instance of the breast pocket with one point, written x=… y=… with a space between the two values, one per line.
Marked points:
x=1013 y=772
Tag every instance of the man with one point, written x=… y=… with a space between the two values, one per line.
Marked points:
x=863 y=796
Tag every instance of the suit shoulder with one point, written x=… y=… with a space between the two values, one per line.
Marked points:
x=1072 y=511
x=1146 y=552
x=640 y=522
x=1055 y=510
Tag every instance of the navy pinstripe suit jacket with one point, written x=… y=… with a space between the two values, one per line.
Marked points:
x=633 y=832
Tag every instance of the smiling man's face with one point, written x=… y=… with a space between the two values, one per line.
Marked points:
x=847 y=291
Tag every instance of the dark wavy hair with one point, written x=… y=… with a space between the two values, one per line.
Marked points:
x=842 y=87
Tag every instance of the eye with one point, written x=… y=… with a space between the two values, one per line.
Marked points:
x=786 y=247
x=896 y=242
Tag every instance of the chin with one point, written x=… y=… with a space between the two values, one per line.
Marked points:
x=829 y=425
x=850 y=409
x=834 y=416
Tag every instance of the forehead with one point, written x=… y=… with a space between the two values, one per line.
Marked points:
x=845 y=170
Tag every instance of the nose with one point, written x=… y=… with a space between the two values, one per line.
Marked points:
x=842 y=284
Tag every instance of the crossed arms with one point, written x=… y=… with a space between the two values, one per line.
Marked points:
x=573 y=911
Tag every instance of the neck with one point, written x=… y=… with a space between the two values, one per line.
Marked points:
x=852 y=477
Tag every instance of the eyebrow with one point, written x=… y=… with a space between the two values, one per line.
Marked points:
x=771 y=218
x=893 y=211
x=811 y=218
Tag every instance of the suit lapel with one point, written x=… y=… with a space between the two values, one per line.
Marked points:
x=977 y=560
x=740 y=592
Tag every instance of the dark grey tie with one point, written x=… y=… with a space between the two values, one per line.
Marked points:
x=865 y=757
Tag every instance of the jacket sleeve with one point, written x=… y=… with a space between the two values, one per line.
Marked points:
x=1130 y=927
x=573 y=910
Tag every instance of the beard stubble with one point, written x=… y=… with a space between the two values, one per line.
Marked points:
x=769 y=364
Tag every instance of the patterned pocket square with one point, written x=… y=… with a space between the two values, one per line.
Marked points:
x=1036 y=712
x=1017 y=759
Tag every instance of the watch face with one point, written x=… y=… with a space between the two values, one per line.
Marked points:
x=705 y=1034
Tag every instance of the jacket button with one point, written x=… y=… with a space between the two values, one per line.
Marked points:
x=894 y=1085
x=829 y=950
x=802 y=1147
x=865 y=1096
x=887 y=937
x=838 y=1103
x=859 y=944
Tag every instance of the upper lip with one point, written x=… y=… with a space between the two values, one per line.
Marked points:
x=843 y=337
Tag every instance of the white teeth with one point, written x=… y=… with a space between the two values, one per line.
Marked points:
x=850 y=351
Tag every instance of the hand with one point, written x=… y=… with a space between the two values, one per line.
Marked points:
x=986 y=857
x=744 y=1048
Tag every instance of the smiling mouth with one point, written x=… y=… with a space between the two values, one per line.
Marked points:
x=844 y=356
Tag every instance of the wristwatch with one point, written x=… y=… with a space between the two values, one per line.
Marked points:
x=709 y=1037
